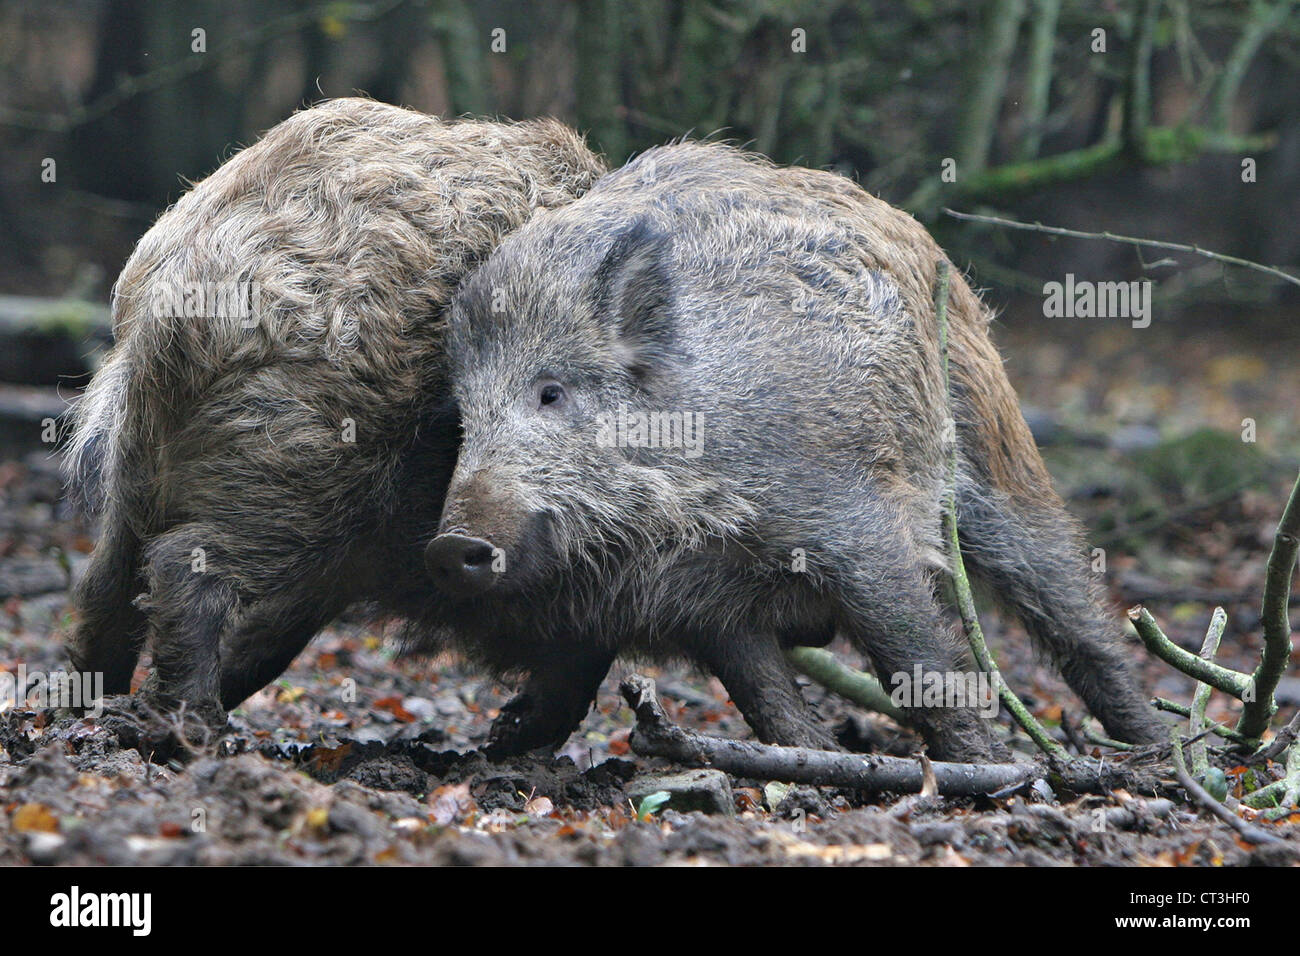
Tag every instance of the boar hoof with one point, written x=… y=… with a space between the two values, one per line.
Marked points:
x=522 y=727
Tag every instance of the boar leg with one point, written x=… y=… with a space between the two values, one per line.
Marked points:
x=265 y=642
x=892 y=615
x=905 y=640
x=552 y=702
x=189 y=609
x=763 y=688
x=1032 y=557
x=110 y=629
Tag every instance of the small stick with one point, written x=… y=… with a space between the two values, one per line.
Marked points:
x=1275 y=747
x=1182 y=710
x=1200 y=754
x=1249 y=832
x=657 y=736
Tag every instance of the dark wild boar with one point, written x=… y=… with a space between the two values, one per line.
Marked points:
x=787 y=316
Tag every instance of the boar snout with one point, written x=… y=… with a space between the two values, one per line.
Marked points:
x=461 y=566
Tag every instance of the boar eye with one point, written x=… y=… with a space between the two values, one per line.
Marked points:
x=551 y=393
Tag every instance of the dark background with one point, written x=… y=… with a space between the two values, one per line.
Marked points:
x=884 y=92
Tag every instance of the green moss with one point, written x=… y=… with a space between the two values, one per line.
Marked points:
x=69 y=317
x=1206 y=464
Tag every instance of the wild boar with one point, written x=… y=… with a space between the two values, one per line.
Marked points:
x=703 y=408
x=271 y=436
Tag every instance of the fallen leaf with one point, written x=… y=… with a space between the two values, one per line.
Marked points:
x=318 y=818
x=35 y=818
x=393 y=705
x=328 y=759
x=290 y=695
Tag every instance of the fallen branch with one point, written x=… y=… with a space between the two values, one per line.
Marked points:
x=656 y=735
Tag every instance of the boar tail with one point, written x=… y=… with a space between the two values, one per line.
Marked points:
x=109 y=631
x=93 y=453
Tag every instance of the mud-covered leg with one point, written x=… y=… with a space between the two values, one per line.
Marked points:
x=763 y=688
x=110 y=629
x=552 y=702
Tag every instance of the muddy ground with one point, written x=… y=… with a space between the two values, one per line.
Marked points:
x=356 y=757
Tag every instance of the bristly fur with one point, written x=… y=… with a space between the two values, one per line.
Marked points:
x=219 y=441
x=794 y=312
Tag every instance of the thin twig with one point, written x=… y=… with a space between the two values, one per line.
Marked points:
x=1278 y=745
x=1201 y=699
x=1129 y=240
x=1182 y=710
x=1248 y=832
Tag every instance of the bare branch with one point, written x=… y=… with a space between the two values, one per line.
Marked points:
x=1259 y=710
x=657 y=736
x=1128 y=240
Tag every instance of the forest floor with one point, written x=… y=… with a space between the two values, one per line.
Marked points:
x=355 y=756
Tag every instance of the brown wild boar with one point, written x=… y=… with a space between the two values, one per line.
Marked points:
x=271 y=436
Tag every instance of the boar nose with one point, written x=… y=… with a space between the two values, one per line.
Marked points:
x=461 y=566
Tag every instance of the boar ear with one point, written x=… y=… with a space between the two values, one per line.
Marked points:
x=634 y=290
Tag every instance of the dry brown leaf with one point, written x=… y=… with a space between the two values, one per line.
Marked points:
x=35 y=818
